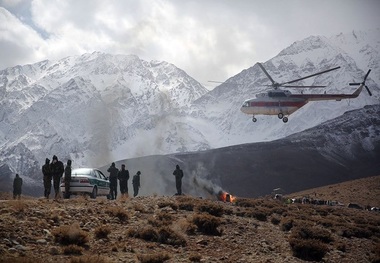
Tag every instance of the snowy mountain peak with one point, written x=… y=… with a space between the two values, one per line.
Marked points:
x=97 y=108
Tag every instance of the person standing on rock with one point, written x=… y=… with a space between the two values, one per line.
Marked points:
x=113 y=181
x=17 y=185
x=57 y=170
x=67 y=179
x=123 y=180
x=47 y=178
x=136 y=183
x=178 y=173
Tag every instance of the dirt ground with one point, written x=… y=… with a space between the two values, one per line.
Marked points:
x=190 y=229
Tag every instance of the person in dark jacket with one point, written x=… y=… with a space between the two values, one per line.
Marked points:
x=123 y=180
x=47 y=178
x=17 y=185
x=178 y=173
x=113 y=181
x=136 y=183
x=57 y=170
x=67 y=179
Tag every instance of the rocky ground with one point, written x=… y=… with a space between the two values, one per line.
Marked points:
x=184 y=229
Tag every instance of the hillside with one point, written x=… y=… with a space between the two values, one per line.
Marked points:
x=364 y=191
x=185 y=229
x=97 y=108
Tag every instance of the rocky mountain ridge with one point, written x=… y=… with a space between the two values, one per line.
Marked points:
x=98 y=108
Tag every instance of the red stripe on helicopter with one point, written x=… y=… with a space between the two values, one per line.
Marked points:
x=277 y=104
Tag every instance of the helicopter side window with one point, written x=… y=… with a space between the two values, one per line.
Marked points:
x=276 y=94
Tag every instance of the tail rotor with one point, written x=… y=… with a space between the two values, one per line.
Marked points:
x=363 y=83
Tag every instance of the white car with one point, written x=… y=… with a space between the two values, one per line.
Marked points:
x=88 y=181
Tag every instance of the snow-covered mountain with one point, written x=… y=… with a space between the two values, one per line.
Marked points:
x=97 y=108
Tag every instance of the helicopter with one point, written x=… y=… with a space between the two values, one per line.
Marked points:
x=282 y=102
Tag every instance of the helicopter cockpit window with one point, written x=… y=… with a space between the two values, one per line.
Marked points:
x=276 y=94
x=246 y=104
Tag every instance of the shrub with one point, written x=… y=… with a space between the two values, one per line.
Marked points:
x=188 y=206
x=118 y=212
x=169 y=237
x=308 y=249
x=70 y=235
x=153 y=258
x=354 y=231
x=245 y=202
x=211 y=208
x=72 y=250
x=195 y=258
x=287 y=224
x=207 y=224
x=102 y=231
x=310 y=232
x=275 y=220
x=168 y=204
x=163 y=236
x=89 y=259
x=147 y=233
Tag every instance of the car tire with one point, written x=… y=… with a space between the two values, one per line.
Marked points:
x=94 y=193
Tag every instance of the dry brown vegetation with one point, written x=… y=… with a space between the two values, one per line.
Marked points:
x=185 y=229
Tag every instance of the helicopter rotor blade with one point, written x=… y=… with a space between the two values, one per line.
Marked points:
x=266 y=73
x=366 y=75
x=291 y=86
x=369 y=92
x=319 y=73
x=354 y=84
x=214 y=81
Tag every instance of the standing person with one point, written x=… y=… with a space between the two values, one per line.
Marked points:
x=17 y=184
x=178 y=173
x=67 y=179
x=136 y=183
x=123 y=180
x=57 y=170
x=47 y=178
x=113 y=181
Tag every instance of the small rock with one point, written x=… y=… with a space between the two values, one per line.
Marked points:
x=47 y=232
x=14 y=242
x=54 y=251
x=12 y=250
x=41 y=241
x=21 y=247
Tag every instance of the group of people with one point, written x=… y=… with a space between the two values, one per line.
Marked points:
x=123 y=176
x=54 y=171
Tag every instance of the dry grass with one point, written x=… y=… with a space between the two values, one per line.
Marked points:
x=211 y=208
x=89 y=259
x=163 y=235
x=153 y=258
x=72 y=250
x=310 y=232
x=207 y=224
x=119 y=212
x=102 y=231
x=70 y=235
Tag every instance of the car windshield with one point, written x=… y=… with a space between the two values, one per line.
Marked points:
x=82 y=171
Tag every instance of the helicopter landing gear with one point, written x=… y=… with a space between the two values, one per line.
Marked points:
x=280 y=115
x=254 y=119
x=285 y=119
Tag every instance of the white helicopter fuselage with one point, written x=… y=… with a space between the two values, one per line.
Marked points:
x=273 y=103
x=283 y=102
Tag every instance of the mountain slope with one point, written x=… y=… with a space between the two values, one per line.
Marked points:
x=338 y=150
x=97 y=108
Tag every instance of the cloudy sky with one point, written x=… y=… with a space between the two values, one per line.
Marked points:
x=209 y=39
